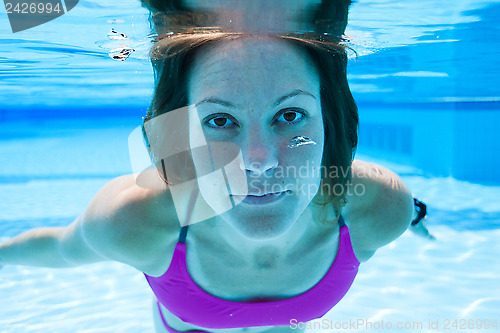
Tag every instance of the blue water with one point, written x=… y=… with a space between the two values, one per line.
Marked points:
x=451 y=57
x=426 y=79
x=416 y=52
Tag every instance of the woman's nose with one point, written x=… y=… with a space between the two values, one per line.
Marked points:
x=259 y=157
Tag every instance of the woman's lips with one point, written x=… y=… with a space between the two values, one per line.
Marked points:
x=261 y=199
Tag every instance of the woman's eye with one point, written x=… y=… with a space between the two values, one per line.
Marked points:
x=290 y=116
x=220 y=122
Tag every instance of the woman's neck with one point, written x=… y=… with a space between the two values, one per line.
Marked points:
x=261 y=251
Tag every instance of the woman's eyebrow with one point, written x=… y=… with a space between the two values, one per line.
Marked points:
x=215 y=101
x=293 y=94
x=280 y=100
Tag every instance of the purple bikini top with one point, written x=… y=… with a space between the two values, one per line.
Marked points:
x=177 y=291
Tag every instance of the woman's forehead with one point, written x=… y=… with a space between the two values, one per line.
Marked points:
x=259 y=62
x=252 y=49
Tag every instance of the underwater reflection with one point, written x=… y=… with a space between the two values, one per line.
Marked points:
x=322 y=17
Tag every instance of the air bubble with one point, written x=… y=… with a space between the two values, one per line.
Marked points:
x=121 y=53
x=300 y=140
x=117 y=35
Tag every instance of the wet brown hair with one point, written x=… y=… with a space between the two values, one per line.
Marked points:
x=173 y=56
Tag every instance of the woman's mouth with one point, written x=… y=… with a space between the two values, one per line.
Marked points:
x=254 y=199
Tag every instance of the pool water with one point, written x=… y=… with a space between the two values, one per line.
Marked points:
x=67 y=109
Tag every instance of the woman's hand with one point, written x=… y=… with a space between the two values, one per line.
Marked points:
x=420 y=229
x=418 y=226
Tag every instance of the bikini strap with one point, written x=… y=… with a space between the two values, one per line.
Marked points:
x=341 y=221
x=182 y=234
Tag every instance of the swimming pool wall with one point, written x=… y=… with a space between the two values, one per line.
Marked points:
x=449 y=139
x=435 y=103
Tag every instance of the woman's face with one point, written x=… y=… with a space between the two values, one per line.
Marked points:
x=259 y=94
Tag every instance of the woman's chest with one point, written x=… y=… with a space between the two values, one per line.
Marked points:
x=265 y=273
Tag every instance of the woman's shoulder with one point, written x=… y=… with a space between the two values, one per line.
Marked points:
x=122 y=200
x=130 y=223
x=379 y=207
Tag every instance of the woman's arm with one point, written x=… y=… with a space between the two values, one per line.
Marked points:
x=61 y=246
x=113 y=227
x=49 y=247
x=380 y=210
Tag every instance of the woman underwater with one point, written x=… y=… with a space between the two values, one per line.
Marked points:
x=282 y=252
